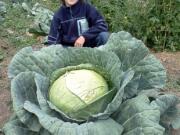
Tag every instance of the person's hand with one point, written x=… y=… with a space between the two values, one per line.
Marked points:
x=79 y=42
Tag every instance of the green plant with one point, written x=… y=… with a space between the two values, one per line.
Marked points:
x=132 y=74
x=154 y=22
x=17 y=21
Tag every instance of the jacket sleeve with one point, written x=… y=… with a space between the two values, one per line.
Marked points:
x=96 y=22
x=54 y=36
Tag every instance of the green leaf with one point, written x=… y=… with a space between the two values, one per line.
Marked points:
x=23 y=88
x=16 y=127
x=58 y=127
x=117 y=100
x=134 y=55
x=170 y=114
x=22 y=62
x=49 y=59
x=138 y=117
x=42 y=84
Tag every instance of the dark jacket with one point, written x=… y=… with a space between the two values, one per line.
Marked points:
x=65 y=28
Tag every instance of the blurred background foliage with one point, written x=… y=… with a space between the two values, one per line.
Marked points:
x=156 y=22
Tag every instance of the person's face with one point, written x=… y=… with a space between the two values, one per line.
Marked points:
x=70 y=2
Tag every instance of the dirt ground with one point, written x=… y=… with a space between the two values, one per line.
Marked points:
x=5 y=99
x=170 y=60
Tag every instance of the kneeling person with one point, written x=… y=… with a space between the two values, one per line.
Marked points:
x=79 y=24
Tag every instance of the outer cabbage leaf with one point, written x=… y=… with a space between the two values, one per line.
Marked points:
x=49 y=59
x=117 y=100
x=170 y=113
x=23 y=88
x=134 y=55
x=58 y=127
x=16 y=127
x=168 y=106
x=139 y=117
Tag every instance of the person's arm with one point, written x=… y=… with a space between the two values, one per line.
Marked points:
x=54 y=36
x=96 y=22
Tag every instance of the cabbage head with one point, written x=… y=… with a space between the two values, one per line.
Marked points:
x=76 y=89
x=110 y=90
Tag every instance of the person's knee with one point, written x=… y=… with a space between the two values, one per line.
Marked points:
x=102 y=38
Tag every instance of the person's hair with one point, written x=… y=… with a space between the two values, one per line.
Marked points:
x=63 y=1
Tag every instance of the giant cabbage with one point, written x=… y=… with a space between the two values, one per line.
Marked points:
x=131 y=104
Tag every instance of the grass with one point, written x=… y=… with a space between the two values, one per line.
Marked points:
x=17 y=22
x=14 y=28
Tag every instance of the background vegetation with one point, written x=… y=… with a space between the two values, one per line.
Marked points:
x=156 y=22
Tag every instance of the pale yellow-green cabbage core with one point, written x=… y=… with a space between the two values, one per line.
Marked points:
x=77 y=89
